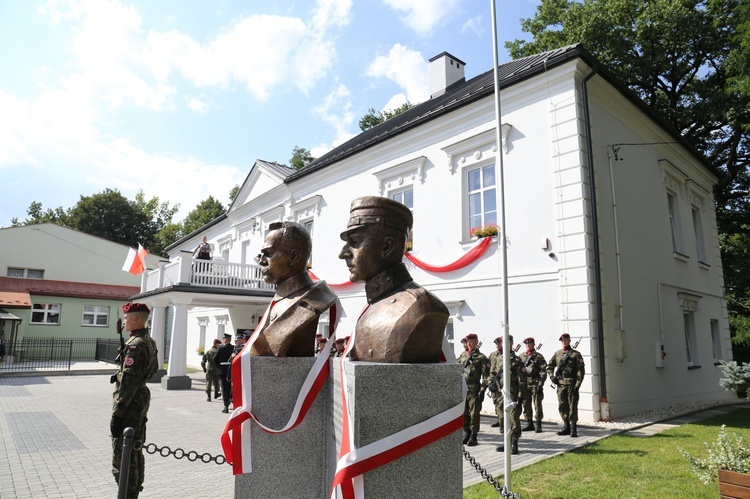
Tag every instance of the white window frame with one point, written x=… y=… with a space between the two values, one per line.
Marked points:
x=700 y=243
x=24 y=273
x=309 y=226
x=47 y=311
x=673 y=210
x=716 y=340
x=96 y=312
x=689 y=305
x=468 y=222
x=400 y=193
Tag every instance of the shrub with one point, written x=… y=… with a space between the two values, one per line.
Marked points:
x=729 y=452
x=736 y=378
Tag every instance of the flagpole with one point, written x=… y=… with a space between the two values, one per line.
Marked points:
x=502 y=242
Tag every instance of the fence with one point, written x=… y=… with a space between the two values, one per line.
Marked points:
x=56 y=353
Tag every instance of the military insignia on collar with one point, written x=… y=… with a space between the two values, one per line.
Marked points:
x=129 y=361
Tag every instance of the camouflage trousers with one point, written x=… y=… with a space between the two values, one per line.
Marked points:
x=472 y=408
x=567 y=403
x=515 y=415
x=212 y=380
x=533 y=396
x=137 y=464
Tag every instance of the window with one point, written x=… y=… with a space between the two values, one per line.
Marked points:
x=700 y=246
x=94 y=315
x=309 y=228
x=406 y=198
x=674 y=223
x=690 y=345
x=25 y=273
x=449 y=332
x=481 y=197
x=716 y=339
x=45 y=313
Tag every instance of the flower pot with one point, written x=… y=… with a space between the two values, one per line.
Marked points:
x=733 y=484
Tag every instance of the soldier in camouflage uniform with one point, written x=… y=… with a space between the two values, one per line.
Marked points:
x=212 y=373
x=131 y=399
x=476 y=368
x=534 y=368
x=498 y=401
x=517 y=386
x=566 y=370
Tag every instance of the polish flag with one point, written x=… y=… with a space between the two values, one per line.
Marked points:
x=135 y=263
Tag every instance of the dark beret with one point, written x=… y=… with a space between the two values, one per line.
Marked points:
x=464 y=340
x=529 y=340
x=498 y=340
x=369 y=210
x=564 y=336
x=471 y=336
x=130 y=308
x=217 y=341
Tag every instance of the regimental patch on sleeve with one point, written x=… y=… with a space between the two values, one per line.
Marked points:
x=129 y=361
x=133 y=347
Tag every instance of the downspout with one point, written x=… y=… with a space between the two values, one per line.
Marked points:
x=604 y=404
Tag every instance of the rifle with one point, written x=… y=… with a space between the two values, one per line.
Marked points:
x=119 y=358
x=555 y=378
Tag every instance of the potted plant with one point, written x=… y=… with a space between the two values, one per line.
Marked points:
x=200 y=350
x=489 y=230
x=728 y=459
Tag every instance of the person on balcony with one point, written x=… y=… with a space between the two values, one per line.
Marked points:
x=203 y=251
x=291 y=321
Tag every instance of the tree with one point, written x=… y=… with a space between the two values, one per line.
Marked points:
x=204 y=212
x=689 y=60
x=301 y=157
x=374 y=118
x=112 y=216
x=233 y=193
x=37 y=216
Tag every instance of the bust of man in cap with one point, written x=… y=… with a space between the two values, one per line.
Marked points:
x=291 y=321
x=404 y=322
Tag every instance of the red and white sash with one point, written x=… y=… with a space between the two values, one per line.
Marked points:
x=235 y=439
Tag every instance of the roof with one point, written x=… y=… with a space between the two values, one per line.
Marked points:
x=66 y=288
x=15 y=299
x=466 y=92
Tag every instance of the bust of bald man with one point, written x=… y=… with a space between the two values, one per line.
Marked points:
x=292 y=320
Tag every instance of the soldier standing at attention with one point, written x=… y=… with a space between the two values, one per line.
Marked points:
x=476 y=368
x=534 y=368
x=566 y=370
x=498 y=404
x=517 y=386
x=212 y=373
x=131 y=399
x=221 y=361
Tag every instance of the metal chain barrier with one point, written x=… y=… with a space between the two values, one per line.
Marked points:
x=180 y=453
x=488 y=477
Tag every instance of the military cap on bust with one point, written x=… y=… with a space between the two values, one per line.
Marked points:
x=130 y=308
x=471 y=336
x=564 y=336
x=528 y=340
x=371 y=210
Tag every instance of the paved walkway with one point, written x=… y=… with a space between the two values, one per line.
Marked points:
x=54 y=439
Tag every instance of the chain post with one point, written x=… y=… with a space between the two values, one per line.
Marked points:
x=122 y=481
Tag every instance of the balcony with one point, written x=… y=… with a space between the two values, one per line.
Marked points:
x=184 y=271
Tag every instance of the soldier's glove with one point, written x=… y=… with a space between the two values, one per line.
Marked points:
x=204 y=370
x=115 y=426
x=576 y=388
x=113 y=378
x=480 y=397
x=554 y=380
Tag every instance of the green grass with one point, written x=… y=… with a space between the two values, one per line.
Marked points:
x=624 y=467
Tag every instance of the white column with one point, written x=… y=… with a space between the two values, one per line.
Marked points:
x=158 y=315
x=176 y=378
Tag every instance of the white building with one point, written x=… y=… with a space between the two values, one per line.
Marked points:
x=610 y=224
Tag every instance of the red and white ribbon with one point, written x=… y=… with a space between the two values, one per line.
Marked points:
x=353 y=462
x=235 y=439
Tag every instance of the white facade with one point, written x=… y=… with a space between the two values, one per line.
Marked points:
x=652 y=294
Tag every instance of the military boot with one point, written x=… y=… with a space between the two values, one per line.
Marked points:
x=217 y=395
x=472 y=439
x=538 y=427
x=495 y=425
x=565 y=430
x=514 y=446
x=225 y=410
x=573 y=430
x=529 y=426
x=501 y=447
x=467 y=435
x=208 y=397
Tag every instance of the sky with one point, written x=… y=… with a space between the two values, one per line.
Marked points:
x=178 y=98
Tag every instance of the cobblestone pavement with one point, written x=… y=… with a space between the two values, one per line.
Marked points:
x=54 y=439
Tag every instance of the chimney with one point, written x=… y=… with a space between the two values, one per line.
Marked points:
x=445 y=70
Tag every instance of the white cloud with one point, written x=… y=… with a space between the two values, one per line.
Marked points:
x=475 y=25
x=198 y=104
x=336 y=110
x=423 y=16
x=407 y=68
x=331 y=13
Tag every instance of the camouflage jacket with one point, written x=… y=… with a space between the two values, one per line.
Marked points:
x=207 y=363
x=476 y=367
x=534 y=367
x=568 y=366
x=517 y=379
x=131 y=396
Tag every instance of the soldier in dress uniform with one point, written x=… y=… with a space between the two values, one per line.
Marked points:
x=131 y=398
x=403 y=322
x=517 y=385
x=476 y=369
x=566 y=369
x=221 y=361
x=212 y=373
x=534 y=367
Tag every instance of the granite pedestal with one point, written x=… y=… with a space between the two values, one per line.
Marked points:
x=176 y=382
x=387 y=398
x=291 y=464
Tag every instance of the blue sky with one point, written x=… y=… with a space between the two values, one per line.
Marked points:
x=180 y=97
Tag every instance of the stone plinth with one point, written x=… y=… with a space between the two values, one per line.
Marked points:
x=291 y=464
x=176 y=382
x=387 y=398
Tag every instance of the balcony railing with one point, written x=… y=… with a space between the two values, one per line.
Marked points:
x=206 y=273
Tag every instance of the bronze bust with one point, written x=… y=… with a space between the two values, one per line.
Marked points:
x=403 y=322
x=292 y=322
